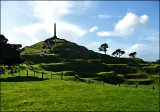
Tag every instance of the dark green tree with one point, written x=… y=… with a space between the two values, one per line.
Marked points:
x=3 y=39
x=118 y=53
x=9 y=53
x=114 y=54
x=132 y=55
x=43 y=47
x=103 y=47
x=121 y=53
x=158 y=61
x=16 y=46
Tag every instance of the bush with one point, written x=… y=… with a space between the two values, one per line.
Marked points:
x=69 y=73
x=110 y=77
x=29 y=62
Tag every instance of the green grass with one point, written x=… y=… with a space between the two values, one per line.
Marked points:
x=139 y=79
x=61 y=95
x=29 y=50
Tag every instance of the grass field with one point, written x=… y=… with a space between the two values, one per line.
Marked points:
x=20 y=93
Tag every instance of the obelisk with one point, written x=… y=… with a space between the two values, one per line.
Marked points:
x=55 y=31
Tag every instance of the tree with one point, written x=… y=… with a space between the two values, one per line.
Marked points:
x=16 y=46
x=158 y=61
x=3 y=39
x=118 y=53
x=121 y=53
x=114 y=54
x=132 y=54
x=50 y=44
x=9 y=53
x=103 y=47
x=43 y=47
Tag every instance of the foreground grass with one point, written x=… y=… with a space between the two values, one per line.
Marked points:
x=61 y=95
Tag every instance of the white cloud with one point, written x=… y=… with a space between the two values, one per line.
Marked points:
x=127 y=25
x=93 y=29
x=104 y=16
x=48 y=13
x=69 y=31
x=103 y=33
x=91 y=45
x=51 y=11
x=80 y=7
x=109 y=52
x=108 y=41
x=94 y=44
x=31 y=30
x=133 y=48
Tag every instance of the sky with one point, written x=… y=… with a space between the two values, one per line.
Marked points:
x=132 y=26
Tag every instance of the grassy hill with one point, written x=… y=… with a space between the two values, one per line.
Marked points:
x=69 y=77
x=59 y=55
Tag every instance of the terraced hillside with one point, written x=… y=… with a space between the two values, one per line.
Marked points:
x=59 y=55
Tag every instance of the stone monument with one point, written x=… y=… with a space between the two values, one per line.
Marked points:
x=55 y=36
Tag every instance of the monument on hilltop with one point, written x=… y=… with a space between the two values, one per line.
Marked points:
x=55 y=36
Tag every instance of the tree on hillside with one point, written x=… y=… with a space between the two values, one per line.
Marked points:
x=43 y=47
x=103 y=47
x=16 y=46
x=3 y=39
x=114 y=54
x=10 y=53
x=50 y=44
x=118 y=53
x=158 y=61
x=132 y=54
x=121 y=53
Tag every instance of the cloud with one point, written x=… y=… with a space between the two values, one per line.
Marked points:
x=103 y=33
x=108 y=52
x=31 y=31
x=93 y=29
x=104 y=16
x=81 y=7
x=108 y=40
x=91 y=45
x=94 y=44
x=133 y=48
x=127 y=25
x=48 y=13
x=51 y=11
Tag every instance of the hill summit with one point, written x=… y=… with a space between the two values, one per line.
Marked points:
x=59 y=55
x=65 y=50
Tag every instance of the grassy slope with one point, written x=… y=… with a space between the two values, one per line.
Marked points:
x=67 y=56
x=60 y=95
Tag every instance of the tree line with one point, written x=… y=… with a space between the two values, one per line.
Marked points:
x=116 y=53
x=9 y=53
